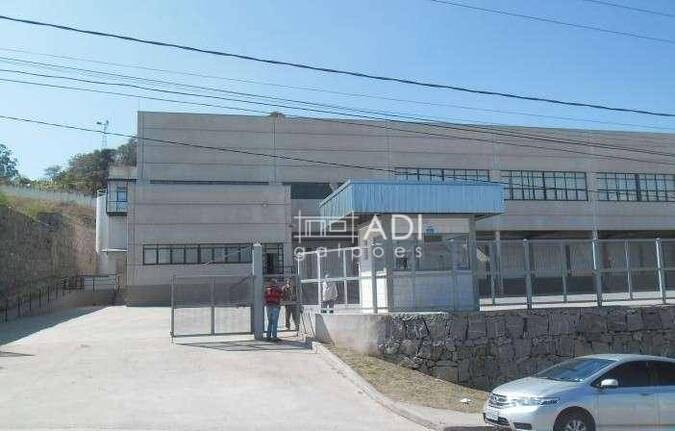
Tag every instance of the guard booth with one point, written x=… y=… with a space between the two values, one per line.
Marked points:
x=416 y=245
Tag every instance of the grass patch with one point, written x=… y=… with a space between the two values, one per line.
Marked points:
x=410 y=386
x=34 y=207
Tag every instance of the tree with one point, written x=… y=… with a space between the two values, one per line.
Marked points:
x=126 y=153
x=8 y=170
x=54 y=173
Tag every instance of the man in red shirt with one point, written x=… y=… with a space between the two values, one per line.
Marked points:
x=273 y=304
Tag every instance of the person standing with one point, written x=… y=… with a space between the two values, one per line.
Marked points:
x=329 y=294
x=273 y=305
x=290 y=299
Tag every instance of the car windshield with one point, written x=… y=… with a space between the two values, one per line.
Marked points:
x=574 y=370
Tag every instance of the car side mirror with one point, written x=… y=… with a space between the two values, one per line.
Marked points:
x=609 y=384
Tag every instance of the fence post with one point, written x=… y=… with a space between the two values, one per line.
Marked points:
x=373 y=279
x=563 y=269
x=212 y=291
x=173 y=303
x=258 y=293
x=318 y=277
x=660 y=272
x=629 y=276
x=344 y=275
x=493 y=270
x=528 y=274
x=597 y=276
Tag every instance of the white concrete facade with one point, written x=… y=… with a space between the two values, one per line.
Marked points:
x=205 y=178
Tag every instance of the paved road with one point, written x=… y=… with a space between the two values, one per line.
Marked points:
x=115 y=368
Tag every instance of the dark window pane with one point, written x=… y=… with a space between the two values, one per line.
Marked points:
x=665 y=372
x=310 y=190
x=630 y=375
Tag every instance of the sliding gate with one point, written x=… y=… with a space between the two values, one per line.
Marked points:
x=212 y=305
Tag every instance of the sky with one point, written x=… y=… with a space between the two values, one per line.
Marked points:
x=416 y=39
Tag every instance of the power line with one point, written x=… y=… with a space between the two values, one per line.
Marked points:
x=554 y=21
x=360 y=124
x=418 y=120
x=319 y=90
x=238 y=151
x=338 y=71
x=635 y=9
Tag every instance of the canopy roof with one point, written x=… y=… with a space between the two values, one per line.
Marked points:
x=361 y=197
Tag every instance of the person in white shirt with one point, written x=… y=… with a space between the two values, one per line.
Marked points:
x=329 y=294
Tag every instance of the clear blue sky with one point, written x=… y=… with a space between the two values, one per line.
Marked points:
x=411 y=38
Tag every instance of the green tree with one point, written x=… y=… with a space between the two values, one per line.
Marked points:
x=54 y=173
x=126 y=153
x=8 y=170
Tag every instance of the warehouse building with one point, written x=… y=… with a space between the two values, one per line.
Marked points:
x=207 y=186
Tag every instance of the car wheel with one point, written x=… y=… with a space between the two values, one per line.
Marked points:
x=574 y=421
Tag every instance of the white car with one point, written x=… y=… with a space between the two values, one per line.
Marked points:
x=590 y=393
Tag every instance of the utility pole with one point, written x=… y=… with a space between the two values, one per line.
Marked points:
x=104 y=137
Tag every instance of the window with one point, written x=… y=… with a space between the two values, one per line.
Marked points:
x=574 y=370
x=117 y=197
x=441 y=174
x=310 y=190
x=613 y=186
x=192 y=254
x=665 y=372
x=273 y=258
x=149 y=255
x=635 y=374
x=545 y=185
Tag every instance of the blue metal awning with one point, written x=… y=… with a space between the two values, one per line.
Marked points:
x=358 y=197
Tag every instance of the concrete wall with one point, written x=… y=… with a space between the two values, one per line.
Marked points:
x=194 y=214
x=382 y=146
x=485 y=349
x=35 y=249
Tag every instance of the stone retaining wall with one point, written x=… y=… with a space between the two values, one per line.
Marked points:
x=485 y=349
x=36 y=249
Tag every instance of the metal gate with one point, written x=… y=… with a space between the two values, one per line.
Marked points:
x=212 y=305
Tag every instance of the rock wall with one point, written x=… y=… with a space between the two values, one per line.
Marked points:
x=32 y=250
x=485 y=349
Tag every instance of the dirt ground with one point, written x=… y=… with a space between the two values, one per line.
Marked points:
x=410 y=386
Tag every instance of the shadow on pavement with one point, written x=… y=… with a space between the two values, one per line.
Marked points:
x=252 y=345
x=12 y=354
x=25 y=326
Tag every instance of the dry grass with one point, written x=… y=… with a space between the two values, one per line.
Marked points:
x=410 y=386
x=33 y=207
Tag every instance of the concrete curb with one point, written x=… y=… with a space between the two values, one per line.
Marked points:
x=383 y=400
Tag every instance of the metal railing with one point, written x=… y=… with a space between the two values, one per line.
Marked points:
x=506 y=273
x=46 y=291
x=433 y=280
x=517 y=273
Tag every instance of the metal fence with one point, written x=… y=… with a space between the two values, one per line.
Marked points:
x=428 y=278
x=48 y=195
x=48 y=290
x=508 y=274
x=211 y=305
x=593 y=272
